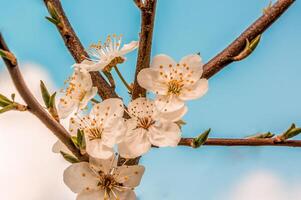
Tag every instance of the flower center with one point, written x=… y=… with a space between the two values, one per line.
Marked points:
x=175 y=87
x=94 y=133
x=145 y=122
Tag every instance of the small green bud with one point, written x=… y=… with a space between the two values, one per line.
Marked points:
x=45 y=94
x=201 y=139
x=81 y=139
x=75 y=141
x=69 y=157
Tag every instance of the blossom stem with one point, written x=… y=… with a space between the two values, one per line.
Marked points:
x=123 y=79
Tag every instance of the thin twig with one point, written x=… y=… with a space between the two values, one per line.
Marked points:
x=224 y=58
x=77 y=50
x=35 y=108
x=145 y=43
x=243 y=142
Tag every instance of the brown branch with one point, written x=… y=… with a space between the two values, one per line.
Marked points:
x=34 y=107
x=243 y=142
x=76 y=48
x=145 y=44
x=224 y=58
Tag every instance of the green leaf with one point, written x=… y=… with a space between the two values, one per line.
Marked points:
x=201 y=139
x=262 y=135
x=52 y=100
x=54 y=21
x=13 y=96
x=45 y=94
x=4 y=101
x=7 y=108
x=81 y=139
x=75 y=141
x=69 y=157
x=53 y=11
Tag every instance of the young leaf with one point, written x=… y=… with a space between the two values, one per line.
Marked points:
x=262 y=135
x=45 y=94
x=7 y=108
x=75 y=141
x=69 y=157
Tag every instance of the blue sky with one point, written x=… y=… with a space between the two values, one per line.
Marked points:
x=258 y=94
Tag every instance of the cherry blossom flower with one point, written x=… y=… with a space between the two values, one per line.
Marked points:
x=77 y=95
x=148 y=127
x=108 y=55
x=103 y=180
x=103 y=127
x=172 y=82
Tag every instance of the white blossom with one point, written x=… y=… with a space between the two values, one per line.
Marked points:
x=103 y=180
x=103 y=127
x=77 y=95
x=148 y=127
x=107 y=55
x=172 y=82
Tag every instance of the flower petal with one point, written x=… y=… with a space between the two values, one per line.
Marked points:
x=65 y=107
x=91 y=195
x=97 y=149
x=195 y=91
x=173 y=116
x=193 y=60
x=124 y=195
x=165 y=134
x=150 y=80
x=129 y=176
x=168 y=103
x=128 y=47
x=79 y=177
x=108 y=109
x=103 y=165
x=162 y=60
x=59 y=146
x=135 y=144
x=114 y=132
x=89 y=95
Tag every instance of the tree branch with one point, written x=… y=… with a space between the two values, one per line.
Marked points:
x=145 y=44
x=33 y=105
x=271 y=14
x=243 y=142
x=76 y=48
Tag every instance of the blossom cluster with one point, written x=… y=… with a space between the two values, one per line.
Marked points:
x=131 y=130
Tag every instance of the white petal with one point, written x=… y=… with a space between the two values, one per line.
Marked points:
x=124 y=195
x=91 y=195
x=108 y=109
x=135 y=144
x=79 y=177
x=89 y=95
x=114 y=132
x=150 y=80
x=173 y=116
x=129 y=176
x=165 y=134
x=193 y=60
x=97 y=149
x=74 y=125
x=66 y=107
x=141 y=107
x=103 y=165
x=195 y=91
x=162 y=60
x=59 y=146
x=128 y=47
x=168 y=103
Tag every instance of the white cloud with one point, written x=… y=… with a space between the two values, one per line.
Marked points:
x=264 y=185
x=29 y=170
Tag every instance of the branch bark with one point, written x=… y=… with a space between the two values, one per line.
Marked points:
x=148 y=12
x=224 y=58
x=35 y=108
x=242 y=142
x=77 y=50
